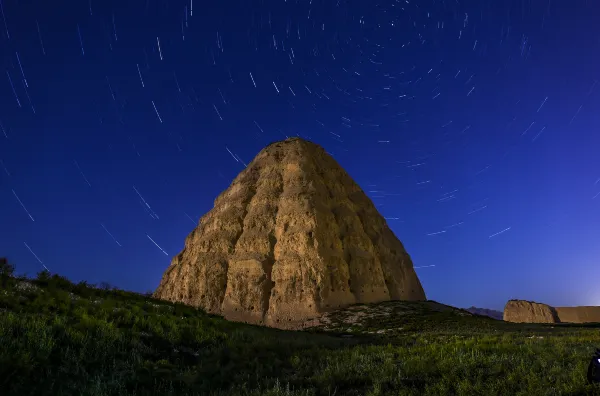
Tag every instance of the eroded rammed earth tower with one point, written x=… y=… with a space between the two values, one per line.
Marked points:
x=292 y=237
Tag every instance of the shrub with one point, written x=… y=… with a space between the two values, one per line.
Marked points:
x=6 y=269
x=43 y=276
x=61 y=282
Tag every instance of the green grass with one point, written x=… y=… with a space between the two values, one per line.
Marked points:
x=57 y=338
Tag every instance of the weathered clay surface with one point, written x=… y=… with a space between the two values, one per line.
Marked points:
x=521 y=311
x=291 y=238
x=581 y=314
x=530 y=312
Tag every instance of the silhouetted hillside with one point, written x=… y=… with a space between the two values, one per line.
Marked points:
x=492 y=313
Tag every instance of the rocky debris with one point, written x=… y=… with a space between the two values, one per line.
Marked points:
x=291 y=238
x=27 y=287
x=520 y=311
x=160 y=307
x=348 y=317
x=379 y=318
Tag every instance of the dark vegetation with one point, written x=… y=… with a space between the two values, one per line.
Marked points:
x=61 y=338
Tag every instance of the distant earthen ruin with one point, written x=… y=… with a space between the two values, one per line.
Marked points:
x=520 y=311
x=291 y=238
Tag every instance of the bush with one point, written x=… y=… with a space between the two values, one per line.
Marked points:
x=6 y=269
x=61 y=282
x=43 y=276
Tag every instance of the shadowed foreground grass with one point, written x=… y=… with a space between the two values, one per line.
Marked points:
x=58 y=338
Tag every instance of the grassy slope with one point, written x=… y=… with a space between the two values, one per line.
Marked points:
x=57 y=338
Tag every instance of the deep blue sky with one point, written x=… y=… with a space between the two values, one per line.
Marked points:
x=429 y=105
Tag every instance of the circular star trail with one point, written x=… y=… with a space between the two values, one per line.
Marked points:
x=470 y=124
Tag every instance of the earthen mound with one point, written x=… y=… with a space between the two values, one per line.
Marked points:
x=530 y=312
x=521 y=311
x=582 y=314
x=291 y=238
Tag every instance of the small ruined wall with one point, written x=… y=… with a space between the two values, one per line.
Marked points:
x=520 y=311
x=588 y=314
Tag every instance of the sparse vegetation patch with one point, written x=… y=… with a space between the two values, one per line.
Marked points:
x=60 y=338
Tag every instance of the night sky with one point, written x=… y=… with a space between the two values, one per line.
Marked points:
x=474 y=126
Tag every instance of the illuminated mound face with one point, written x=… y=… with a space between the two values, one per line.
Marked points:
x=292 y=237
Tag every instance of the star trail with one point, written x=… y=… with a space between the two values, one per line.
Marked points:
x=472 y=125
